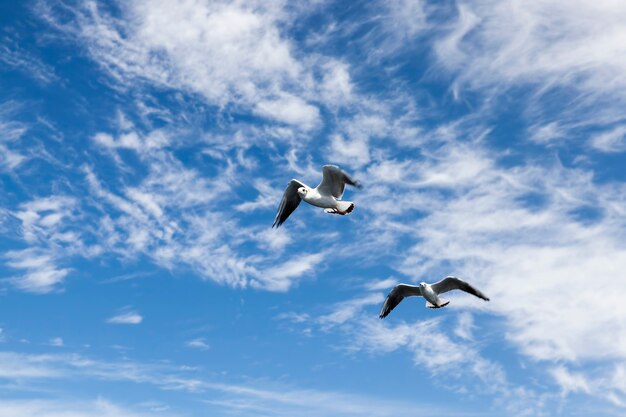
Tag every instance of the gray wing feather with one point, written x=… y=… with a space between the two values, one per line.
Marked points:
x=334 y=181
x=291 y=200
x=453 y=283
x=396 y=295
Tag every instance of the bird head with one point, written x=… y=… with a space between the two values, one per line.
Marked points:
x=422 y=284
x=302 y=191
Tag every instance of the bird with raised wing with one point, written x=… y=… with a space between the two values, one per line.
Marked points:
x=326 y=195
x=429 y=291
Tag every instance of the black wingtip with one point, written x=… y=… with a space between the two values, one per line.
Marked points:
x=358 y=184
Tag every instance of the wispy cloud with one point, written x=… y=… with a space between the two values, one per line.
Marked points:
x=522 y=234
x=42 y=275
x=243 y=61
x=54 y=408
x=16 y=365
x=433 y=347
x=127 y=317
x=10 y=134
x=9 y=159
x=613 y=140
x=157 y=218
x=56 y=341
x=46 y=227
x=281 y=277
x=14 y=57
x=198 y=343
x=272 y=398
x=530 y=233
x=347 y=310
x=577 y=46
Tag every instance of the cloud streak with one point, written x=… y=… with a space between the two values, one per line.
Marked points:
x=577 y=47
x=219 y=396
x=244 y=60
x=128 y=317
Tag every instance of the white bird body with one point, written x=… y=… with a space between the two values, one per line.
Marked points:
x=429 y=291
x=432 y=299
x=317 y=199
x=326 y=195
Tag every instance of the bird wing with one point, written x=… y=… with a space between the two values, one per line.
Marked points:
x=291 y=200
x=396 y=295
x=334 y=181
x=453 y=283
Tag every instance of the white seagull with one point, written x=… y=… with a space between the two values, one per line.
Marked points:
x=429 y=292
x=326 y=195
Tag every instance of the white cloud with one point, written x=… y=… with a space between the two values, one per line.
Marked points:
x=68 y=408
x=386 y=29
x=354 y=152
x=488 y=232
x=613 y=140
x=56 y=341
x=530 y=236
x=548 y=133
x=128 y=140
x=577 y=45
x=198 y=343
x=465 y=326
x=243 y=60
x=285 y=401
x=407 y=17
x=294 y=317
x=132 y=140
x=267 y=198
x=336 y=87
x=17 y=366
x=274 y=239
x=9 y=159
x=42 y=275
x=10 y=134
x=157 y=219
x=42 y=217
x=570 y=382
x=383 y=284
x=127 y=317
x=289 y=109
x=347 y=310
x=13 y=56
x=283 y=276
x=50 y=229
x=434 y=349
x=173 y=214
x=250 y=399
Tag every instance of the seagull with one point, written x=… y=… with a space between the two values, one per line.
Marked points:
x=326 y=195
x=429 y=291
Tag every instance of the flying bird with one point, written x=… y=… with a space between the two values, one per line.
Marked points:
x=429 y=291
x=326 y=195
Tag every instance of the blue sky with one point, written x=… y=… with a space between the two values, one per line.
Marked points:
x=144 y=148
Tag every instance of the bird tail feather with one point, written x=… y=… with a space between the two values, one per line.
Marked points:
x=345 y=207
x=442 y=303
